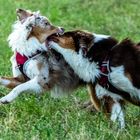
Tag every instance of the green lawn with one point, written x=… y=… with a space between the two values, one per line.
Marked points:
x=29 y=117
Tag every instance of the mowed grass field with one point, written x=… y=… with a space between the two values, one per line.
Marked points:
x=44 y=118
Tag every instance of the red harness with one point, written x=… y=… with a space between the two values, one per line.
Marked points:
x=104 y=71
x=105 y=82
x=21 y=59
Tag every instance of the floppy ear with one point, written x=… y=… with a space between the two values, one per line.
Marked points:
x=83 y=47
x=85 y=43
x=22 y=14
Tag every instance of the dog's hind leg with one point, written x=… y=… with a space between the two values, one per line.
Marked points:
x=95 y=101
x=31 y=85
x=11 y=82
x=117 y=113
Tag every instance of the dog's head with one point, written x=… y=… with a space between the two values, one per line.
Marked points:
x=40 y=26
x=75 y=40
x=82 y=41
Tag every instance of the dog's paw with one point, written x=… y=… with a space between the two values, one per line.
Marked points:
x=88 y=106
x=5 y=100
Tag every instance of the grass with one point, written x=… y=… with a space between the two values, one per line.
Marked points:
x=29 y=117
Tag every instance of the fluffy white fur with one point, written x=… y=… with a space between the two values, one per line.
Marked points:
x=86 y=71
x=118 y=78
x=117 y=113
x=30 y=85
x=101 y=92
x=18 y=40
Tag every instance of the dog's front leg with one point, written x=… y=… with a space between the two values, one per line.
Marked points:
x=117 y=113
x=32 y=85
x=94 y=99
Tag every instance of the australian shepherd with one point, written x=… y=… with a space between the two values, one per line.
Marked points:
x=34 y=67
x=111 y=67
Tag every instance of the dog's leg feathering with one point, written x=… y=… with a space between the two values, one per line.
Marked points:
x=30 y=85
x=117 y=113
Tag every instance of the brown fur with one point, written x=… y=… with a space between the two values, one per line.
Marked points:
x=23 y=14
x=130 y=60
x=77 y=38
x=125 y=53
x=95 y=101
x=14 y=81
x=40 y=34
x=109 y=48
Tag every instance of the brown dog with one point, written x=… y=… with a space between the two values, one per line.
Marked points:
x=111 y=67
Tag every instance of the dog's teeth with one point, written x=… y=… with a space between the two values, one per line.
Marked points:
x=61 y=33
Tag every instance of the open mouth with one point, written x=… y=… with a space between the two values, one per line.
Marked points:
x=54 y=36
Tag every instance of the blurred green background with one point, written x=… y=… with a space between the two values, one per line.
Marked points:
x=45 y=118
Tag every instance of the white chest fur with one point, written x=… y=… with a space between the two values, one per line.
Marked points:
x=35 y=66
x=82 y=67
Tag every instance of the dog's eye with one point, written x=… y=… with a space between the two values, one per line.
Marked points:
x=38 y=18
x=46 y=23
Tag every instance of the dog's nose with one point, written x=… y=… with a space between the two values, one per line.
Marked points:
x=61 y=30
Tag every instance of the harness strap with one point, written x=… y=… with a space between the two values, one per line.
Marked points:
x=105 y=82
x=22 y=59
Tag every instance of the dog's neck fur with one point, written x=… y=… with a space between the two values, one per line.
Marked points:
x=19 y=41
x=86 y=69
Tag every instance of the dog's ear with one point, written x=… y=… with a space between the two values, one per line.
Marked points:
x=23 y=14
x=85 y=42
x=83 y=47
